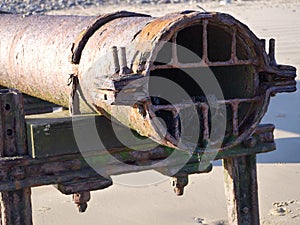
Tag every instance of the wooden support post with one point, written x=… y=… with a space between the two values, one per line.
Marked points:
x=15 y=205
x=241 y=190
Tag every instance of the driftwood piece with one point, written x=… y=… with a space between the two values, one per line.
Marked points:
x=16 y=204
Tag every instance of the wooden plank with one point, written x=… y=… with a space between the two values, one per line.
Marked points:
x=57 y=136
x=15 y=204
x=241 y=190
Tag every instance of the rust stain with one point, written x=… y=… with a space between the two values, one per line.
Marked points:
x=151 y=30
x=48 y=46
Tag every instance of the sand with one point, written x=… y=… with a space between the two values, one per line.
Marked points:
x=204 y=199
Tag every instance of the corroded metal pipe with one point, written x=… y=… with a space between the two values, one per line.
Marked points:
x=39 y=53
x=36 y=51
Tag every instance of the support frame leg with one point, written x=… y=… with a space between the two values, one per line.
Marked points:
x=16 y=207
x=241 y=190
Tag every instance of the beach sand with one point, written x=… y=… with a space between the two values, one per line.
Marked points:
x=204 y=198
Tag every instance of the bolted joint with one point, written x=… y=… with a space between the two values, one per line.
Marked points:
x=250 y=142
x=17 y=173
x=245 y=210
x=179 y=182
x=267 y=137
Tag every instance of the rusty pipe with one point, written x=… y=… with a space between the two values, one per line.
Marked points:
x=36 y=51
x=38 y=54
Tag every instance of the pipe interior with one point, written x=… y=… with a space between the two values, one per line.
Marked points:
x=236 y=81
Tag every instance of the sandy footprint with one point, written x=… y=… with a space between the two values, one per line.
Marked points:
x=43 y=210
x=206 y=222
x=283 y=213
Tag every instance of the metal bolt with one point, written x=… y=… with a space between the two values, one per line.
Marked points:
x=179 y=182
x=272 y=51
x=81 y=199
x=116 y=59
x=124 y=68
x=17 y=173
x=123 y=57
x=250 y=142
x=267 y=137
x=245 y=210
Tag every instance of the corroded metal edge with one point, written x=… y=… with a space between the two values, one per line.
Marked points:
x=67 y=168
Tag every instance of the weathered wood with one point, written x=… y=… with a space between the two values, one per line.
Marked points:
x=241 y=190
x=15 y=204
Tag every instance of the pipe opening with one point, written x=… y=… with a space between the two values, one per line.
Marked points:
x=164 y=55
x=226 y=47
x=240 y=77
x=191 y=39
x=243 y=52
x=219 y=43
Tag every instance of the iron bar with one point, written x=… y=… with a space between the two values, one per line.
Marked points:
x=233 y=57
x=230 y=62
x=205 y=42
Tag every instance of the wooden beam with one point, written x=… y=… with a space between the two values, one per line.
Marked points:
x=241 y=190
